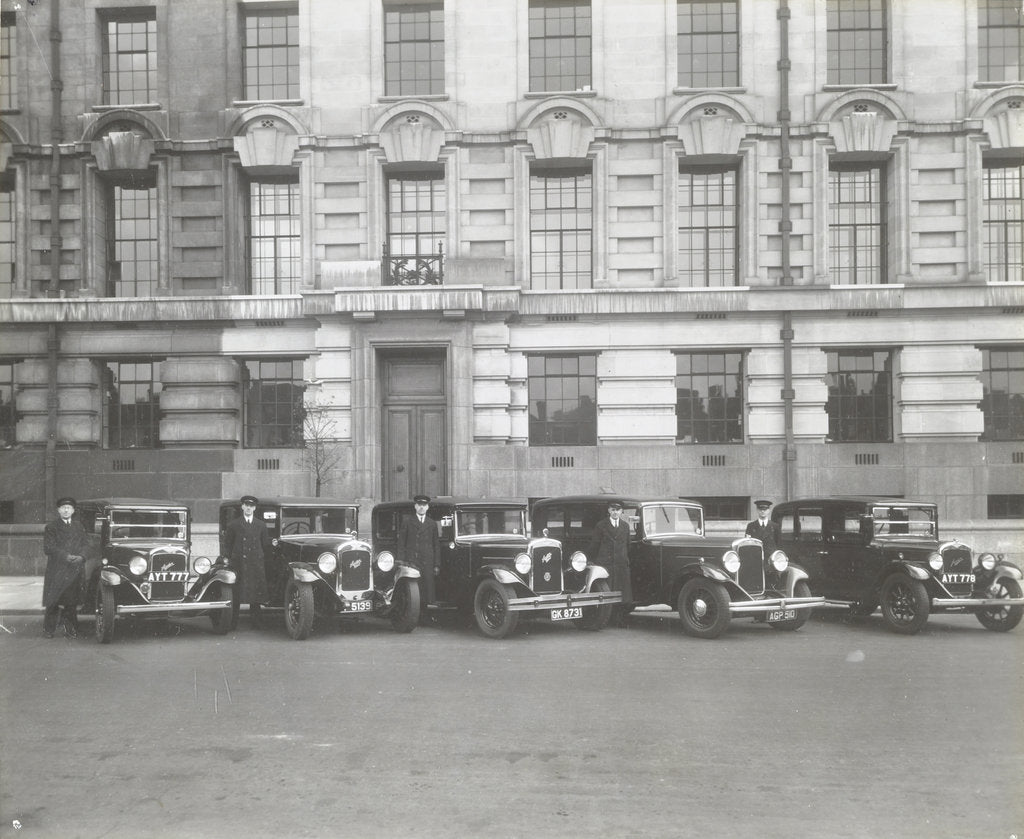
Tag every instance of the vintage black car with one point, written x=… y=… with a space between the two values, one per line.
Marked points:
x=490 y=567
x=141 y=565
x=320 y=566
x=863 y=553
x=673 y=562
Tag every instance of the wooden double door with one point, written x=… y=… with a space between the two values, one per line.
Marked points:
x=415 y=419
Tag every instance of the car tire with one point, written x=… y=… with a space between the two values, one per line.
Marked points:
x=405 y=606
x=299 y=609
x=106 y=612
x=1002 y=618
x=703 y=607
x=596 y=618
x=224 y=620
x=800 y=589
x=491 y=609
x=905 y=604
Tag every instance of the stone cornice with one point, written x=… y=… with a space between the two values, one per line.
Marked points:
x=451 y=301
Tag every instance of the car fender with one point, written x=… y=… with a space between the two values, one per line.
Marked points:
x=915 y=572
x=111 y=577
x=595 y=573
x=407 y=572
x=223 y=575
x=503 y=575
x=793 y=575
x=303 y=574
x=698 y=570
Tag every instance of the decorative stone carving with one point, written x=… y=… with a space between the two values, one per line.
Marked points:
x=122 y=151
x=560 y=137
x=1006 y=129
x=707 y=135
x=860 y=132
x=412 y=140
x=266 y=151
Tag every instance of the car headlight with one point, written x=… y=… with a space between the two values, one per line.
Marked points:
x=987 y=561
x=731 y=561
x=780 y=561
x=326 y=562
x=935 y=561
x=578 y=561
x=202 y=565
x=524 y=564
x=385 y=560
x=138 y=565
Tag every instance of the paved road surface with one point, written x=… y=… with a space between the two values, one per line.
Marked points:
x=834 y=731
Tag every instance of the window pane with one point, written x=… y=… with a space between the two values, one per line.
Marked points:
x=860 y=396
x=709 y=397
x=561 y=229
x=131 y=400
x=560 y=47
x=129 y=62
x=271 y=55
x=708 y=43
x=857 y=227
x=563 y=411
x=413 y=49
x=857 y=41
x=274 y=395
x=708 y=232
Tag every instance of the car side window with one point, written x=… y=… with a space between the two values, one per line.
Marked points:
x=809 y=527
x=787 y=525
x=554 y=520
x=385 y=524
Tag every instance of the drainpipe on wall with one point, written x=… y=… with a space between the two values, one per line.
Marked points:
x=785 y=228
x=53 y=290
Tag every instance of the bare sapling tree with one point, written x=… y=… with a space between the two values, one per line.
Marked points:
x=322 y=451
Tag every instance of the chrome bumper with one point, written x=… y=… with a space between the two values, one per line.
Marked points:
x=975 y=602
x=754 y=607
x=563 y=600
x=173 y=608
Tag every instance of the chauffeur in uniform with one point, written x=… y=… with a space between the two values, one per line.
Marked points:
x=419 y=547
x=65 y=544
x=764 y=528
x=610 y=548
x=247 y=544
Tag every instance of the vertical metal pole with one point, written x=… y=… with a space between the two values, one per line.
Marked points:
x=56 y=242
x=785 y=228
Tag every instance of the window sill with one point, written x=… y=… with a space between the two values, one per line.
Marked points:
x=839 y=88
x=547 y=94
x=422 y=97
x=9 y=111
x=249 y=103
x=996 y=85
x=689 y=91
x=140 y=106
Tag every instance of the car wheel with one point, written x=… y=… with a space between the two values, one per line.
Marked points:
x=490 y=607
x=905 y=604
x=106 y=610
x=801 y=589
x=1002 y=618
x=596 y=617
x=704 y=608
x=405 y=606
x=299 y=609
x=224 y=620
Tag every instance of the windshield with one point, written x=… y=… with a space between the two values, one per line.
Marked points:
x=148 y=524
x=901 y=520
x=339 y=520
x=511 y=522
x=660 y=519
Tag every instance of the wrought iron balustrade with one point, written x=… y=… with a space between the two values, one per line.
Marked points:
x=413 y=269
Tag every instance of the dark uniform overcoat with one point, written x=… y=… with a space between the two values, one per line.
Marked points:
x=770 y=534
x=610 y=548
x=62 y=580
x=248 y=545
x=419 y=547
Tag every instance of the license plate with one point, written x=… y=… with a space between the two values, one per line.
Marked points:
x=781 y=615
x=570 y=614
x=357 y=606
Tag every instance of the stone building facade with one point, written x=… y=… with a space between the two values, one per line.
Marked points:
x=514 y=248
